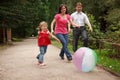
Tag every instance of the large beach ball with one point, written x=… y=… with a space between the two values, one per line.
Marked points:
x=85 y=59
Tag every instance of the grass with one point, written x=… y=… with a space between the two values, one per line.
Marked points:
x=109 y=63
x=112 y=64
x=17 y=39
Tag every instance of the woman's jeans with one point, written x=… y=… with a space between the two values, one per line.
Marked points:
x=40 y=56
x=64 y=40
x=76 y=33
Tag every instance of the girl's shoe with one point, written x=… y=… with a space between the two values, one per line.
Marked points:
x=39 y=63
x=42 y=64
x=37 y=57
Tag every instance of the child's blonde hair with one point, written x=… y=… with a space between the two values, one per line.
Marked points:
x=41 y=24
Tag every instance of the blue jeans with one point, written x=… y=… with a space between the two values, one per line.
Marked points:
x=40 y=56
x=64 y=40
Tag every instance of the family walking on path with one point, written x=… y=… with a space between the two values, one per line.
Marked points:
x=60 y=26
x=18 y=62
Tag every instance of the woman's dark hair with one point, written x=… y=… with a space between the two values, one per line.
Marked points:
x=61 y=8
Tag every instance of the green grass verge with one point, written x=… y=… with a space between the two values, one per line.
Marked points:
x=109 y=63
x=17 y=39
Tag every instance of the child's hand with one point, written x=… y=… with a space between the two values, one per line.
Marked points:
x=58 y=41
x=38 y=32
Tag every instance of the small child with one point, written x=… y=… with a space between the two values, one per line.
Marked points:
x=43 y=41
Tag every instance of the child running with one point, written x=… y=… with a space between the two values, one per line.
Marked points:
x=43 y=41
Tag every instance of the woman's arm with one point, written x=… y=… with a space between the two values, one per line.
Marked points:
x=69 y=29
x=54 y=37
x=52 y=25
x=74 y=23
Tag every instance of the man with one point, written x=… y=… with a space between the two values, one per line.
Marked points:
x=81 y=19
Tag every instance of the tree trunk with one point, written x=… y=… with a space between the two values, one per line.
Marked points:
x=4 y=35
x=9 y=35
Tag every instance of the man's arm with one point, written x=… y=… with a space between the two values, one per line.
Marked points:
x=88 y=23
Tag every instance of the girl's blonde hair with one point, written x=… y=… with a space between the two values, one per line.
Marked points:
x=41 y=24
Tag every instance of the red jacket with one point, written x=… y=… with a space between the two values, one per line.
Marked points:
x=43 y=38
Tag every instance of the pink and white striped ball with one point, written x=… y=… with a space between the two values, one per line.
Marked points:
x=85 y=59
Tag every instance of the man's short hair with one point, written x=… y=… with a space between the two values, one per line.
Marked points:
x=79 y=4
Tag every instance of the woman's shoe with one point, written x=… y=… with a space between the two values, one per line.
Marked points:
x=70 y=58
x=61 y=57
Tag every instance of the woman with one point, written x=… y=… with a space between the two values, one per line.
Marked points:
x=62 y=20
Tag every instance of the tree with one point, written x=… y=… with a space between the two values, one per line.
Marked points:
x=23 y=16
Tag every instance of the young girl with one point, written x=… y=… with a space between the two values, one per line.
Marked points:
x=43 y=41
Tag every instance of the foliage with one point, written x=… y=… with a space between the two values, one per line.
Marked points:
x=10 y=14
x=104 y=11
x=113 y=37
x=113 y=19
x=109 y=63
x=94 y=36
x=17 y=39
x=23 y=16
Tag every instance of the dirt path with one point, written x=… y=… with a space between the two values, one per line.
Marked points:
x=18 y=62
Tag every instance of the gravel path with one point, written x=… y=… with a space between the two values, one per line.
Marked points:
x=18 y=62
